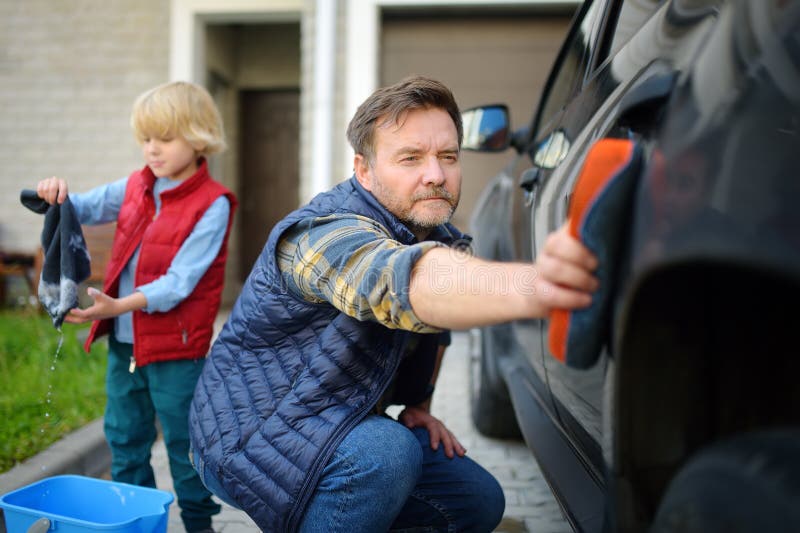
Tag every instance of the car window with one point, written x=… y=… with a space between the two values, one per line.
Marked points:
x=573 y=61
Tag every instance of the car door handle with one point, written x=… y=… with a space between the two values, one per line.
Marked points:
x=530 y=177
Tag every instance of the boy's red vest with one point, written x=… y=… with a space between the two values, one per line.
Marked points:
x=185 y=331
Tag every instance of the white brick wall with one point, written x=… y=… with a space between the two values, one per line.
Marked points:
x=69 y=72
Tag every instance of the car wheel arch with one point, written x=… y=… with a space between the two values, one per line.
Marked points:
x=689 y=370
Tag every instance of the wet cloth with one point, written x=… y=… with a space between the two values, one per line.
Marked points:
x=66 y=258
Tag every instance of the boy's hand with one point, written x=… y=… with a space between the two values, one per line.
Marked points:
x=565 y=269
x=104 y=306
x=52 y=190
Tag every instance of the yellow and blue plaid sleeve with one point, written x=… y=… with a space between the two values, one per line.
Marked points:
x=352 y=263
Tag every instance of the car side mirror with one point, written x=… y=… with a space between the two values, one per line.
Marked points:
x=486 y=128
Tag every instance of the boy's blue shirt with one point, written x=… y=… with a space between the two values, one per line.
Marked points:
x=102 y=204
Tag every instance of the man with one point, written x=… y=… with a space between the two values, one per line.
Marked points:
x=345 y=312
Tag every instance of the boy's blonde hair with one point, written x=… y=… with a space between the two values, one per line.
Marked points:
x=182 y=109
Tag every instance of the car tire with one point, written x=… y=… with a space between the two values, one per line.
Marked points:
x=492 y=411
x=750 y=483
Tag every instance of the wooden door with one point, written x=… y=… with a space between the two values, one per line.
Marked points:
x=269 y=184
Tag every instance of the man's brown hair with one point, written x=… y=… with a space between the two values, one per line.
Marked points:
x=388 y=105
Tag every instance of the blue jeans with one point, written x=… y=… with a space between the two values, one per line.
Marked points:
x=384 y=477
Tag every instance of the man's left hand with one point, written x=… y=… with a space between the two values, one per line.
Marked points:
x=415 y=416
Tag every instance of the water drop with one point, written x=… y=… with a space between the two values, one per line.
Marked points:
x=48 y=397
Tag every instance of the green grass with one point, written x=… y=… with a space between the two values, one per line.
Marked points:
x=30 y=375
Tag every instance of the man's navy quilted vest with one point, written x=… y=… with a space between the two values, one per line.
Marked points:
x=287 y=379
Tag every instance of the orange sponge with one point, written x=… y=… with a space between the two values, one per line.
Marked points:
x=598 y=212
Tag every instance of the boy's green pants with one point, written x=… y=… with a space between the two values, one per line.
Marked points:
x=134 y=400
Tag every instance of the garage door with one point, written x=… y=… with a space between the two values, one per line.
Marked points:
x=484 y=60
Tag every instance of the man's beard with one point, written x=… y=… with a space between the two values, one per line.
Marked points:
x=418 y=225
x=424 y=224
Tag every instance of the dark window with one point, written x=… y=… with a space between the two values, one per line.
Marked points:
x=574 y=60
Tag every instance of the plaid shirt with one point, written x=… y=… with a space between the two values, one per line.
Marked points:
x=352 y=262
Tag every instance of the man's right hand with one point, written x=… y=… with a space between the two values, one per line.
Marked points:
x=565 y=268
x=451 y=290
x=52 y=190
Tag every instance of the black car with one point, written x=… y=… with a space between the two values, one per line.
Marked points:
x=682 y=411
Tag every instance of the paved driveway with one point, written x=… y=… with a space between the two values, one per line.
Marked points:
x=530 y=506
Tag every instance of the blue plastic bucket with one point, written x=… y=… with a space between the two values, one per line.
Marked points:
x=77 y=504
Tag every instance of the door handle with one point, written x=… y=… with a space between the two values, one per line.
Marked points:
x=529 y=179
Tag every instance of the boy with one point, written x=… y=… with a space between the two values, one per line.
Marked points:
x=162 y=287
